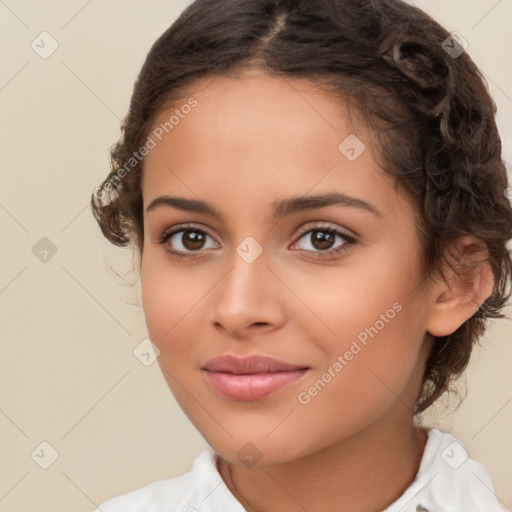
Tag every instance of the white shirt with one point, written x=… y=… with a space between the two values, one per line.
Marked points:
x=447 y=481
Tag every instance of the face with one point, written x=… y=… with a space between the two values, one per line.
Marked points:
x=309 y=256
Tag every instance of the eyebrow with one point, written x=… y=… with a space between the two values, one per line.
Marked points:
x=281 y=208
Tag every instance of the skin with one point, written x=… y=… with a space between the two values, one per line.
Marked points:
x=250 y=141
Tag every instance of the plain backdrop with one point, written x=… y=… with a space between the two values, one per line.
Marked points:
x=69 y=377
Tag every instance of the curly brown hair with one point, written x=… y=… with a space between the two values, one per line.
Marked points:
x=423 y=98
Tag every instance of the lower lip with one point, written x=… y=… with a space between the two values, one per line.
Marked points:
x=251 y=386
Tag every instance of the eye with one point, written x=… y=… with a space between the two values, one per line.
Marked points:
x=185 y=240
x=188 y=240
x=320 y=240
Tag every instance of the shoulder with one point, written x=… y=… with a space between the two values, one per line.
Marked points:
x=183 y=493
x=448 y=480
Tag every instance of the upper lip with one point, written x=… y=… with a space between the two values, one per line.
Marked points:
x=252 y=364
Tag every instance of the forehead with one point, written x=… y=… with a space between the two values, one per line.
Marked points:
x=258 y=135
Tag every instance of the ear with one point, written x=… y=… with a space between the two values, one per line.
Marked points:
x=472 y=281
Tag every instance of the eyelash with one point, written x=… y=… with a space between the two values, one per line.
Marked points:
x=348 y=245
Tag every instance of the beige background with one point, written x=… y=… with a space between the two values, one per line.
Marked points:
x=68 y=373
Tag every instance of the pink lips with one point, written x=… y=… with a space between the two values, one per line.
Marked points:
x=250 y=378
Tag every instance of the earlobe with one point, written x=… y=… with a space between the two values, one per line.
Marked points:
x=469 y=283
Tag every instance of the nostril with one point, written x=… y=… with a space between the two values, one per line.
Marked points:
x=421 y=508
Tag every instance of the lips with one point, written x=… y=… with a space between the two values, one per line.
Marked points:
x=250 y=378
x=251 y=364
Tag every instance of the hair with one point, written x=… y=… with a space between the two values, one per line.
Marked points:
x=429 y=112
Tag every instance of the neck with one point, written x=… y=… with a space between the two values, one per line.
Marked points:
x=365 y=472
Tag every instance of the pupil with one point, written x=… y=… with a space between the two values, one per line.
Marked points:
x=322 y=239
x=192 y=240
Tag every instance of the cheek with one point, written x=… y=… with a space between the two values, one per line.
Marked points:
x=366 y=314
x=371 y=376
x=345 y=301
x=167 y=303
x=167 y=297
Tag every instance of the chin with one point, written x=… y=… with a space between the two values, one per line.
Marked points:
x=258 y=451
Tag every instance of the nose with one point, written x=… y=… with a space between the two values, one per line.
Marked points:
x=249 y=298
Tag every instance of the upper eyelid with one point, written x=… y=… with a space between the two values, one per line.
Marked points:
x=325 y=226
x=185 y=227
